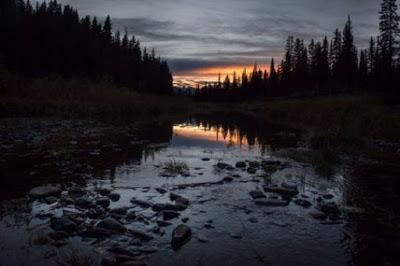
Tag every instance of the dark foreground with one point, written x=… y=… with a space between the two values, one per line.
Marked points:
x=85 y=193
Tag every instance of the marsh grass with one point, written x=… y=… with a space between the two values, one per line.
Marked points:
x=56 y=96
x=174 y=168
x=77 y=258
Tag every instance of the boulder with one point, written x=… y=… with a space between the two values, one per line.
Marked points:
x=44 y=192
x=112 y=225
x=161 y=190
x=180 y=236
x=63 y=224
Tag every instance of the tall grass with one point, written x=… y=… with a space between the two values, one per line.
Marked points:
x=53 y=95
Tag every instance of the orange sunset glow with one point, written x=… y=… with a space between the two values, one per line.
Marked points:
x=200 y=76
x=230 y=137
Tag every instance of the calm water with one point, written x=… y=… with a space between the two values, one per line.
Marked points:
x=130 y=161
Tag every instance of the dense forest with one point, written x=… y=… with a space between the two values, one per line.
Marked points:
x=323 y=67
x=51 y=38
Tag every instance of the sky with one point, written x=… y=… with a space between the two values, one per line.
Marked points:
x=201 y=38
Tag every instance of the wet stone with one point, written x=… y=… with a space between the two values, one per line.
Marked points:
x=119 y=211
x=141 y=203
x=328 y=196
x=169 y=215
x=205 y=159
x=95 y=233
x=141 y=234
x=83 y=202
x=289 y=185
x=318 y=215
x=254 y=164
x=223 y=165
x=163 y=207
x=44 y=191
x=185 y=219
x=163 y=223
x=103 y=191
x=103 y=202
x=75 y=192
x=256 y=194
x=50 y=200
x=241 y=165
x=114 y=196
x=251 y=170
x=63 y=224
x=271 y=202
x=227 y=179
x=287 y=192
x=182 y=200
x=148 y=249
x=161 y=190
x=112 y=225
x=303 y=203
x=180 y=236
x=253 y=220
x=58 y=235
x=202 y=238
x=123 y=251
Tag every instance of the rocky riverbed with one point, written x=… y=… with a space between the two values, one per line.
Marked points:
x=166 y=194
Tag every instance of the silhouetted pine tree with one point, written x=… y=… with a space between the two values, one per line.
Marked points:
x=388 y=42
x=52 y=38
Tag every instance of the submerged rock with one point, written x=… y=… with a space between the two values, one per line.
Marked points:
x=241 y=165
x=254 y=164
x=169 y=215
x=180 y=236
x=163 y=207
x=318 y=215
x=256 y=194
x=103 y=191
x=112 y=225
x=227 y=179
x=63 y=224
x=114 y=196
x=224 y=166
x=251 y=170
x=289 y=185
x=44 y=191
x=271 y=202
x=95 y=233
x=286 y=192
x=103 y=202
x=303 y=203
x=161 y=190
x=141 y=203
x=50 y=200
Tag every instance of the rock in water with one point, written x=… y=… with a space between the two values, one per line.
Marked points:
x=271 y=202
x=241 y=165
x=303 y=203
x=257 y=194
x=114 y=196
x=104 y=202
x=63 y=224
x=44 y=191
x=112 y=225
x=180 y=236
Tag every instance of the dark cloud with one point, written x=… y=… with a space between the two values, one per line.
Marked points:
x=192 y=34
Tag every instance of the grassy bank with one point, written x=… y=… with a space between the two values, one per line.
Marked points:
x=83 y=98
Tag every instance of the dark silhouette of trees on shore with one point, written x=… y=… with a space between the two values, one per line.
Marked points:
x=325 y=67
x=51 y=38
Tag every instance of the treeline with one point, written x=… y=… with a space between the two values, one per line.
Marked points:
x=323 y=67
x=51 y=38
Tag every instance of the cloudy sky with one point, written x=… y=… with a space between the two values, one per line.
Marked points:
x=200 y=38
